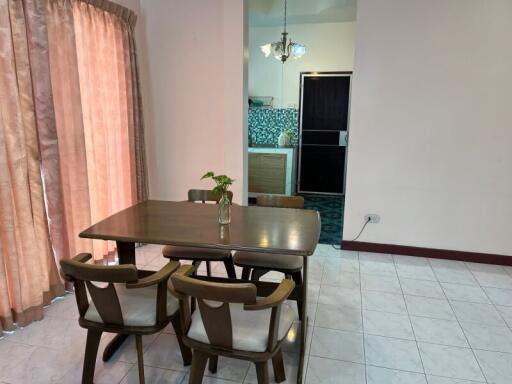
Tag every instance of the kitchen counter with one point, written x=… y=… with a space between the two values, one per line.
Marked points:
x=264 y=173
x=271 y=146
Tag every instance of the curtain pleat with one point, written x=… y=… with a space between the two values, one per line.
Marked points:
x=74 y=188
x=28 y=273
x=98 y=115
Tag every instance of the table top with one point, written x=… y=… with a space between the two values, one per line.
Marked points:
x=257 y=229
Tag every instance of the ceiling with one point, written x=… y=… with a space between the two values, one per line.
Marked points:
x=271 y=12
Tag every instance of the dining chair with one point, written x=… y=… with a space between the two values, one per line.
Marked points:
x=197 y=255
x=125 y=301
x=256 y=264
x=233 y=322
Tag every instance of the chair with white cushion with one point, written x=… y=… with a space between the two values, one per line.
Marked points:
x=198 y=255
x=256 y=264
x=123 y=300
x=233 y=322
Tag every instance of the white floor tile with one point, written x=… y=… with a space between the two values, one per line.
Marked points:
x=387 y=324
x=377 y=375
x=230 y=369
x=493 y=279
x=341 y=279
x=392 y=353
x=164 y=353
x=448 y=271
x=64 y=307
x=43 y=366
x=105 y=373
x=506 y=314
x=471 y=293
x=341 y=297
x=13 y=356
x=489 y=338
x=290 y=368
x=454 y=362
x=497 y=366
x=52 y=332
x=328 y=371
x=377 y=264
x=338 y=345
x=383 y=301
x=380 y=283
x=153 y=376
x=429 y=307
x=423 y=288
x=127 y=353
x=446 y=380
x=342 y=318
x=438 y=331
x=477 y=313
x=414 y=268
x=499 y=296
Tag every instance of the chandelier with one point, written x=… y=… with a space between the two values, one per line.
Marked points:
x=284 y=48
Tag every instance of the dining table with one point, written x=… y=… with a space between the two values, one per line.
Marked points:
x=277 y=231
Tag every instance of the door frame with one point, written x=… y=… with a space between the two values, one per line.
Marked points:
x=301 y=83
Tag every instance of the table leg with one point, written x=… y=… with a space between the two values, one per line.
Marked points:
x=126 y=255
x=113 y=346
x=126 y=252
x=304 y=322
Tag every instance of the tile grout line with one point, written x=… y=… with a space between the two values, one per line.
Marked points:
x=492 y=302
x=463 y=332
x=362 y=321
x=409 y=318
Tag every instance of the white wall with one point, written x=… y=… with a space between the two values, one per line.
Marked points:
x=329 y=47
x=431 y=124
x=193 y=64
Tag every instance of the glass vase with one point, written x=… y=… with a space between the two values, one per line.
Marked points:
x=224 y=209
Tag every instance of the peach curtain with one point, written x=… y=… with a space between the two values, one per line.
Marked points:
x=28 y=273
x=99 y=123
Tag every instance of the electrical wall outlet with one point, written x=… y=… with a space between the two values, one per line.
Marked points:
x=372 y=218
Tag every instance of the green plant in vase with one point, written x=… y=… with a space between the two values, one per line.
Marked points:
x=222 y=184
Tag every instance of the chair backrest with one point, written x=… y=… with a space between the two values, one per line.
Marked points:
x=280 y=201
x=206 y=195
x=105 y=299
x=216 y=316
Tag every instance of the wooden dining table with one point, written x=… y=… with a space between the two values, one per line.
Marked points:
x=255 y=229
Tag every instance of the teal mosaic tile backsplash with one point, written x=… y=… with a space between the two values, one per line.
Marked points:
x=266 y=124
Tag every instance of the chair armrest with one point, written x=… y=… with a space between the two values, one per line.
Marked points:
x=157 y=277
x=185 y=270
x=280 y=294
x=82 y=257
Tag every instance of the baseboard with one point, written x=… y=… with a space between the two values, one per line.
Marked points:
x=433 y=253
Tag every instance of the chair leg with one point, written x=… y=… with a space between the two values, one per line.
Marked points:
x=258 y=273
x=186 y=353
x=278 y=365
x=230 y=268
x=297 y=277
x=246 y=273
x=196 y=264
x=198 y=365
x=140 y=358
x=91 y=350
x=208 y=269
x=212 y=364
x=262 y=372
